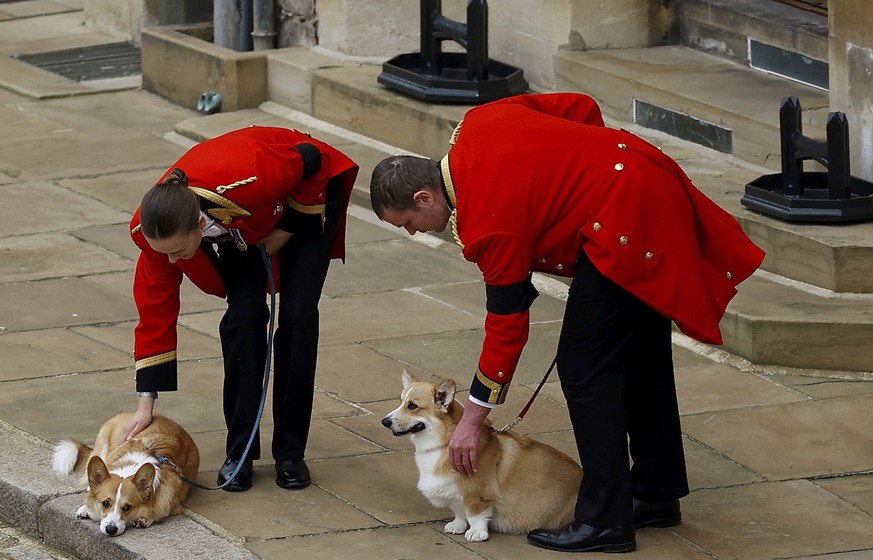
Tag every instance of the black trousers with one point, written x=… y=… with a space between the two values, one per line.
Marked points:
x=616 y=369
x=303 y=265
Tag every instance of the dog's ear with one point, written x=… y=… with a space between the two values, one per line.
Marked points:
x=144 y=480
x=97 y=471
x=445 y=394
x=407 y=378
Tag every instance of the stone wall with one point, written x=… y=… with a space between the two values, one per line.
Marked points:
x=127 y=18
x=851 y=75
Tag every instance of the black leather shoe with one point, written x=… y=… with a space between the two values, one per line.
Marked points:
x=578 y=537
x=292 y=474
x=656 y=514
x=243 y=479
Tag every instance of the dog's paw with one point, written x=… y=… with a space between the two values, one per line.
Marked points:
x=142 y=523
x=82 y=513
x=476 y=535
x=455 y=527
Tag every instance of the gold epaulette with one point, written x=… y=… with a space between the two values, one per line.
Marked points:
x=229 y=209
x=455 y=133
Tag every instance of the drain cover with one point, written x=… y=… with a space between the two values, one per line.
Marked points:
x=115 y=60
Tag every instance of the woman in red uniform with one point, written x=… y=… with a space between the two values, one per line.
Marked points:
x=204 y=219
x=538 y=183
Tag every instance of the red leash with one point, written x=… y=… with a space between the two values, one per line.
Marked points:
x=524 y=410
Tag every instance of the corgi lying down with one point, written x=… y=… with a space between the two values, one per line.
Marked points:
x=127 y=485
x=521 y=484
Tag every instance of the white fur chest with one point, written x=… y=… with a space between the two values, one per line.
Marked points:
x=440 y=489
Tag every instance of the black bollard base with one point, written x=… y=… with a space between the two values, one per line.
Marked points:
x=765 y=195
x=406 y=73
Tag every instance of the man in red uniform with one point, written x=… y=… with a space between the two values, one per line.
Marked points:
x=205 y=219
x=538 y=183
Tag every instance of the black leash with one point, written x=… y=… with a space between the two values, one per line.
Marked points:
x=164 y=461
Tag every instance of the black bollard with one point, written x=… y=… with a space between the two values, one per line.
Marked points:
x=469 y=77
x=800 y=196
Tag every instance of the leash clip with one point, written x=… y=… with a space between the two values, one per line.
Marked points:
x=509 y=426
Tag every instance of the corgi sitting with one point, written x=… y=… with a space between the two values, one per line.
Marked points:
x=521 y=484
x=127 y=485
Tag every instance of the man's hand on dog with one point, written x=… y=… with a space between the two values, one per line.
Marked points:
x=464 y=445
x=141 y=419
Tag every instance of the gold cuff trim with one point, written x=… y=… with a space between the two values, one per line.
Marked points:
x=152 y=361
x=229 y=209
x=498 y=390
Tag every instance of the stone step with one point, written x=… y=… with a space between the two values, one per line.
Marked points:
x=702 y=98
x=764 y=34
x=771 y=322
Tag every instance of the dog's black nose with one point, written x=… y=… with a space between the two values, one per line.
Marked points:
x=386 y=422
x=111 y=530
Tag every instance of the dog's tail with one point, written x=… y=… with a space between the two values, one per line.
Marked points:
x=70 y=456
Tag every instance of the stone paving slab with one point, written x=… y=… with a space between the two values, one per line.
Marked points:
x=59 y=209
x=418 y=541
x=47 y=304
x=376 y=315
x=709 y=468
x=122 y=191
x=114 y=238
x=857 y=490
x=54 y=255
x=54 y=352
x=793 y=440
x=453 y=353
x=763 y=521
x=193 y=345
x=708 y=387
x=366 y=269
x=280 y=512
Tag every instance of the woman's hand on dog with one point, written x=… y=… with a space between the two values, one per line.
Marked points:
x=141 y=419
x=464 y=445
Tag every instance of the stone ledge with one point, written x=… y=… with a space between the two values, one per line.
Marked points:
x=180 y=62
x=696 y=84
x=175 y=537
x=26 y=478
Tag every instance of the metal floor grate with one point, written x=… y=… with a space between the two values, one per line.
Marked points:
x=115 y=60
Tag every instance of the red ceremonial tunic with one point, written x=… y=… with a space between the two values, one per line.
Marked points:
x=251 y=177
x=536 y=179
